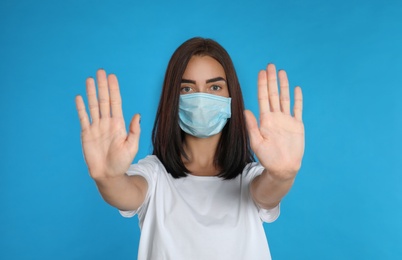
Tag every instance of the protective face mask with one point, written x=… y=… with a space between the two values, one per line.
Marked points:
x=203 y=115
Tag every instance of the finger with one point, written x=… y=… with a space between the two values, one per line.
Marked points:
x=263 y=99
x=103 y=94
x=252 y=129
x=284 y=92
x=273 y=88
x=82 y=113
x=298 y=106
x=133 y=137
x=115 y=98
x=92 y=100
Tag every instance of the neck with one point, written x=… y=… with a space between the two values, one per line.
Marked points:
x=201 y=154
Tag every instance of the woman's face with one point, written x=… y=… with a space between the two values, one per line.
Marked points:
x=204 y=74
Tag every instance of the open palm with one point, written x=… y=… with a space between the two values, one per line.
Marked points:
x=108 y=148
x=278 y=141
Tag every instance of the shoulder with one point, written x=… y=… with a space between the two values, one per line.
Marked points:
x=252 y=170
x=148 y=165
x=151 y=169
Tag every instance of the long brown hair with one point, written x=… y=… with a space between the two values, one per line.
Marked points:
x=233 y=152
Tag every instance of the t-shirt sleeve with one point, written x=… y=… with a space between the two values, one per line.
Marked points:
x=266 y=215
x=269 y=215
x=147 y=169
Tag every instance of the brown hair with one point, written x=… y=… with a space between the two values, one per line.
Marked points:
x=233 y=152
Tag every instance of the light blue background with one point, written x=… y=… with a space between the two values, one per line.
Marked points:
x=346 y=55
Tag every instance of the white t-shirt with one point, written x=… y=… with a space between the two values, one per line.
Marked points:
x=198 y=217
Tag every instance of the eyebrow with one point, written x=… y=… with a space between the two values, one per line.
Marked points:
x=208 y=81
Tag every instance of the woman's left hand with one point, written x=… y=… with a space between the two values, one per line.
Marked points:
x=279 y=140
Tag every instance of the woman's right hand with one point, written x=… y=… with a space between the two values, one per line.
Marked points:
x=108 y=148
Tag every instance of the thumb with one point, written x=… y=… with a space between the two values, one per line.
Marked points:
x=133 y=136
x=252 y=129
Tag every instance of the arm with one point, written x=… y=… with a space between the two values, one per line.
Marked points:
x=279 y=140
x=123 y=192
x=267 y=191
x=108 y=148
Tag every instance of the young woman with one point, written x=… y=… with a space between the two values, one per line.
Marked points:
x=200 y=195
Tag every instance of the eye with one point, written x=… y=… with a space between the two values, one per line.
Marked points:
x=215 y=87
x=185 y=89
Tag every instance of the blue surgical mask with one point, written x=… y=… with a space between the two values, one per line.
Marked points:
x=203 y=115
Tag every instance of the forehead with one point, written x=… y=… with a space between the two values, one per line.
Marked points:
x=203 y=68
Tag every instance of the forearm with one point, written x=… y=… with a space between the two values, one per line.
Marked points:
x=268 y=190
x=123 y=192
